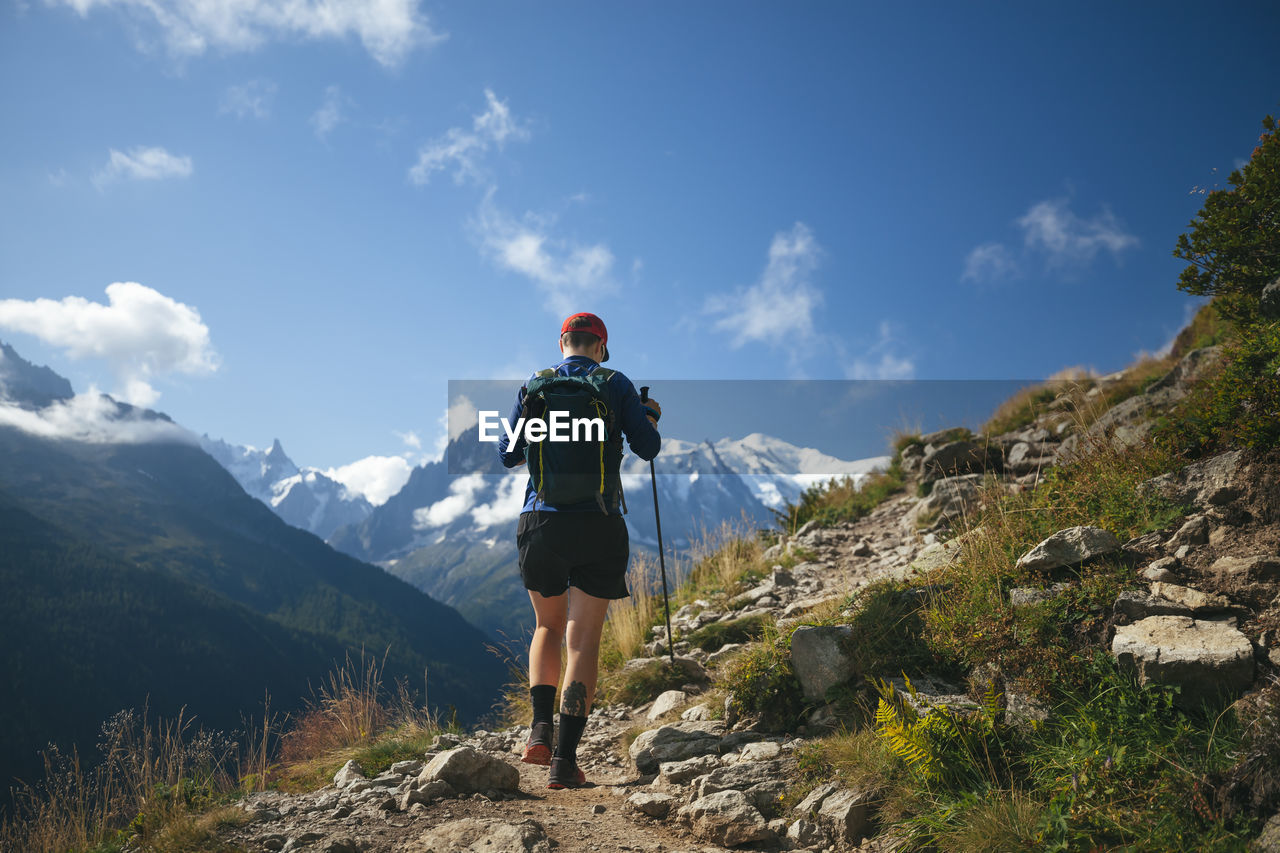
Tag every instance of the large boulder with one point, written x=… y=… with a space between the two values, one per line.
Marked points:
x=950 y=499
x=1202 y=657
x=727 y=818
x=738 y=777
x=473 y=835
x=819 y=660
x=469 y=771
x=1209 y=482
x=846 y=815
x=675 y=742
x=961 y=457
x=1070 y=547
x=350 y=773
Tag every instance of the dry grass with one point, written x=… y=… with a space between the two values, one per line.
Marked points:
x=164 y=784
x=152 y=774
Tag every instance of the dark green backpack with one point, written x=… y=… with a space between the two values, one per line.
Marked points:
x=575 y=471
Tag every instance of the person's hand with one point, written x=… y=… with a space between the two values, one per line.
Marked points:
x=652 y=404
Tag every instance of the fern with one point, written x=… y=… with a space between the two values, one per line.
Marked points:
x=943 y=746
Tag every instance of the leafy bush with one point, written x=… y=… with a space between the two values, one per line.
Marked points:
x=1122 y=766
x=1239 y=405
x=1233 y=247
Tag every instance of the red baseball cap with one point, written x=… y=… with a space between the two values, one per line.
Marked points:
x=586 y=322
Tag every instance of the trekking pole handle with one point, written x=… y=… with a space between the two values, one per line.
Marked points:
x=644 y=393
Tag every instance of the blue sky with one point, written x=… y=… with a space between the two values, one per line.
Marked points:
x=331 y=215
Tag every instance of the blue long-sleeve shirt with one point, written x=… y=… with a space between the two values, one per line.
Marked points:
x=642 y=436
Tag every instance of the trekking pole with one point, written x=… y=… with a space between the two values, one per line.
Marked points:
x=662 y=560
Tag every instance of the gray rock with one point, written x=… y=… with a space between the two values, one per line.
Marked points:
x=1161 y=570
x=725 y=651
x=818 y=659
x=412 y=767
x=469 y=771
x=1195 y=531
x=1209 y=482
x=351 y=772
x=674 y=742
x=1023 y=711
x=738 y=776
x=1202 y=657
x=681 y=772
x=667 y=702
x=862 y=549
x=810 y=804
x=846 y=815
x=728 y=818
x=472 y=835
x=1199 y=603
x=338 y=844
x=765 y=750
x=1268 y=841
x=931 y=692
x=692 y=670
x=653 y=804
x=437 y=789
x=1139 y=604
x=444 y=741
x=961 y=457
x=696 y=713
x=951 y=499
x=1070 y=547
x=1259 y=567
x=937 y=556
x=1026 y=596
x=806 y=833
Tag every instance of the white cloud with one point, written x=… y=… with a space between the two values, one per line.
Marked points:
x=141 y=334
x=989 y=262
x=1053 y=232
x=93 y=418
x=376 y=477
x=252 y=99
x=458 y=418
x=461 y=497
x=568 y=273
x=330 y=114
x=410 y=439
x=1050 y=227
x=388 y=29
x=60 y=178
x=778 y=309
x=879 y=361
x=142 y=164
x=507 y=502
x=461 y=149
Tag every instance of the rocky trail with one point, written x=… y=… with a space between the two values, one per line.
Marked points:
x=675 y=775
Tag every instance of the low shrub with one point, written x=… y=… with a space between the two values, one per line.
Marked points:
x=761 y=682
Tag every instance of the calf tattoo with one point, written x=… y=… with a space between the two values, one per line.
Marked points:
x=574 y=699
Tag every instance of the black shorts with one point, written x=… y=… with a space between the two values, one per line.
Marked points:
x=588 y=550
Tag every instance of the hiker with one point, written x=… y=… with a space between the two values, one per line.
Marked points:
x=571 y=536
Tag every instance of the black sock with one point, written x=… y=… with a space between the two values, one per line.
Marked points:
x=543 y=697
x=571 y=728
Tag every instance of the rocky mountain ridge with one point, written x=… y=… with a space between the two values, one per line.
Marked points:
x=679 y=774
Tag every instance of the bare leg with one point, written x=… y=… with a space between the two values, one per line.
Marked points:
x=544 y=649
x=586 y=623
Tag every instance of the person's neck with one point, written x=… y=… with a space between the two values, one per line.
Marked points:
x=571 y=353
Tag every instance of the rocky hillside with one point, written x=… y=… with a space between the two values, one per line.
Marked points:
x=1189 y=607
